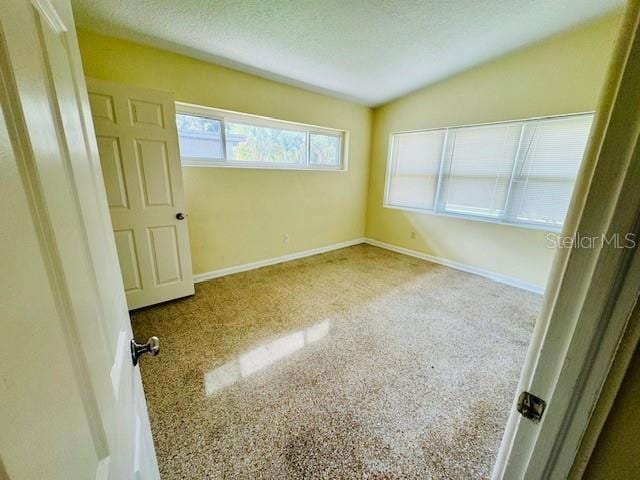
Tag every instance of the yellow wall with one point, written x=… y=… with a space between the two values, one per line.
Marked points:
x=561 y=75
x=239 y=216
x=616 y=454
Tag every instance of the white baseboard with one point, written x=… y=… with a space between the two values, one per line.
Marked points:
x=497 y=277
x=201 y=277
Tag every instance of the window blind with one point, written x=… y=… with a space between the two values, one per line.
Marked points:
x=519 y=172
x=544 y=183
x=480 y=168
x=415 y=171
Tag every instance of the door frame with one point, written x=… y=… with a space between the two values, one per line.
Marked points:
x=592 y=292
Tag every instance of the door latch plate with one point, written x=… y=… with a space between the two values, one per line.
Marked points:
x=530 y=406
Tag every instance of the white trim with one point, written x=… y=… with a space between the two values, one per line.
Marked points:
x=545 y=227
x=498 y=122
x=496 y=277
x=219 y=113
x=46 y=8
x=200 y=163
x=102 y=470
x=202 y=277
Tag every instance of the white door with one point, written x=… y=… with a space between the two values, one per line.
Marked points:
x=138 y=145
x=71 y=401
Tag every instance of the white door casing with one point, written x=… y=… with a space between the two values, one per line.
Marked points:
x=71 y=403
x=592 y=292
x=138 y=145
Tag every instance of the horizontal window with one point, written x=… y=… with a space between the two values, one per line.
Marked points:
x=210 y=137
x=520 y=172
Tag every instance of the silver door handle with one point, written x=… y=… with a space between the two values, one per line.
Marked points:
x=152 y=347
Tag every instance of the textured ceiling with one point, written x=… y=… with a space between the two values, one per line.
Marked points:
x=369 y=51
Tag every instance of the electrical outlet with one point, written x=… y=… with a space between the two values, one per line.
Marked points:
x=413 y=235
x=285 y=238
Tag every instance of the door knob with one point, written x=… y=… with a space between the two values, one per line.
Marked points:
x=180 y=216
x=152 y=347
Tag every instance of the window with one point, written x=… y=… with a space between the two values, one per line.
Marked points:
x=519 y=172
x=324 y=149
x=199 y=137
x=210 y=137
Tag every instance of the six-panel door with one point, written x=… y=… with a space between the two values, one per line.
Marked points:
x=138 y=145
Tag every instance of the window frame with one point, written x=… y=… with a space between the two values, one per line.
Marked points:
x=221 y=115
x=506 y=219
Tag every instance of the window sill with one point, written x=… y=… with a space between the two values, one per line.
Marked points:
x=460 y=216
x=260 y=166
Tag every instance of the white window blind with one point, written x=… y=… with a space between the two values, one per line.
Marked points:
x=544 y=182
x=480 y=168
x=415 y=173
x=520 y=172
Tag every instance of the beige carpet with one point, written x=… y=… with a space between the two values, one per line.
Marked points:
x=360 y=363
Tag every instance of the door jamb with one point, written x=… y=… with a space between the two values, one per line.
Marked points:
x=591 y=292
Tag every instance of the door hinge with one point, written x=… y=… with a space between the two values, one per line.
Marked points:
x=530 y=406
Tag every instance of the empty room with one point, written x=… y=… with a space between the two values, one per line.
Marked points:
x=320 y=240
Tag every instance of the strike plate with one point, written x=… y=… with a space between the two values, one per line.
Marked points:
x=530 y=406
